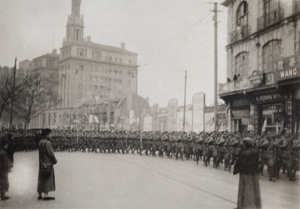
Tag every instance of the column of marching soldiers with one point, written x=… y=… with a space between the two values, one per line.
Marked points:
x=278 y=152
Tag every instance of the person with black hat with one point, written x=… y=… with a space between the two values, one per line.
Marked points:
x=247 y=166
x=46 y=178
x=5 y=168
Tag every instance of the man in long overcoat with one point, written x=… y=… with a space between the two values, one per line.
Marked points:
x=5 y=168
x=247 y=166
x=46 y=182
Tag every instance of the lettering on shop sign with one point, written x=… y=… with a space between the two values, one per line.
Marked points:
x=288 y=73
x=268 y=97
x=288 y=68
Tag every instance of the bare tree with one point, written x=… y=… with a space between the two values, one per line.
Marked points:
x=39 y=96
x=7 y=90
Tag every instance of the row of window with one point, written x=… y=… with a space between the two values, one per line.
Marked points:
x=106 y=70
x=96 y=54
x=40 y=63
x=104 y=88
x=104 y=79
x=271 y=54
x=271 y=12
x=66 y=53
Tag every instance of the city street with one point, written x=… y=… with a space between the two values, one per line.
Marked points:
x=97 y=180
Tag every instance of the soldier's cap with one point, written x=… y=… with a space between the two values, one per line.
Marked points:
x=46 y=132
x=248 y=140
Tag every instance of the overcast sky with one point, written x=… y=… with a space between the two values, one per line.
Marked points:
x=169 y=36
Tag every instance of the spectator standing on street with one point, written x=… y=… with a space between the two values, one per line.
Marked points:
x=247 y=166
x=46 y=178
x=5 y=168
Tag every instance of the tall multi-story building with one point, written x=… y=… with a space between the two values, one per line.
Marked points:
x=262 y=92
x=89 y=71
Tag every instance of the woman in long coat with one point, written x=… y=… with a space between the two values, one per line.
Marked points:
x=5 y=168
x=247 y=166
x=46 y=182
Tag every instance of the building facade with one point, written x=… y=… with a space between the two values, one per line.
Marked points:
x=263 y=69
x=194 y=117
x=89 y=71
x=86 y=72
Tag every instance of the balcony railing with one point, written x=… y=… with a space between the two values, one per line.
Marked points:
x=245 y=84
x=240 y=33
x=270 y=19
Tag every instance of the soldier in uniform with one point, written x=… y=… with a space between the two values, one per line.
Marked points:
x=234 y=149
x=265 y=147
x=284 y=156
x=295 y=155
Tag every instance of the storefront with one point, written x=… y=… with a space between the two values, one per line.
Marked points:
x=271 y=110
x=288 y=79
x=240 y=114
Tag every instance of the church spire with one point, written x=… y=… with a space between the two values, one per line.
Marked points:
x=74 y=31
x=75 y=8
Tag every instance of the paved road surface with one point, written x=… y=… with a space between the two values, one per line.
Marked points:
x=90 y=180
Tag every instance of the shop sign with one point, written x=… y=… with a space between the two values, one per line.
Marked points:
x=240 y=113
x=288 y=68
x=240 y=102
x=271 y=109
x=268 y=97
x=270 y=78
x=256 y=78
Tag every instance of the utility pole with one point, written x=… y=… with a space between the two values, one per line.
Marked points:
x=184 y=101
x=215 y=18
x=12 y=94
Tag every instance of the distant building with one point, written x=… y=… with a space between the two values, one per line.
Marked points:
x=86 y=72
x=263 y=65
x=197 y=118
x=46 y=64
x=89 y=70
x=25 y=65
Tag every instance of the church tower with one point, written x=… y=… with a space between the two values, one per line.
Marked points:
x=74 y=32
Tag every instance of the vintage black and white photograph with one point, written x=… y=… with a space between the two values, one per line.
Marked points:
x=139 y=104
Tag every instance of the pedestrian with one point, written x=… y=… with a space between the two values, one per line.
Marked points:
x=5 y=168
x=46 y=178
x=10 y=148
x=247 y=166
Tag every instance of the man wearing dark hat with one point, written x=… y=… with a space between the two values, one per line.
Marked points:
x=46 y=178
x=5 y=168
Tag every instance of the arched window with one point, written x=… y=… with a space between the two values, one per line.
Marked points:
x=271 y=7
x=242 y=14
x=271 y=55
x=242 y=64
x=272 y=13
